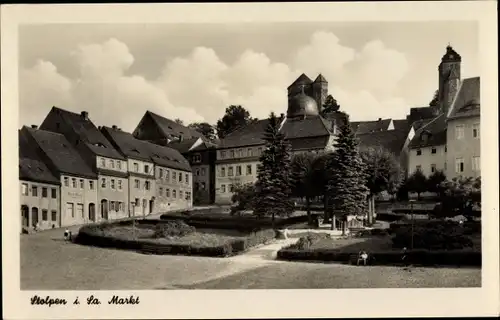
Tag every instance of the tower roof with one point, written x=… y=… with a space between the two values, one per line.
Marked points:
x=320 y=78
x=301 y=106
x=451 y=55
x=301 y=80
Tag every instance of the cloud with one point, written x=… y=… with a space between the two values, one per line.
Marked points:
x=199 y=86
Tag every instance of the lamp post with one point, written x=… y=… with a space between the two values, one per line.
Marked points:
x=412 y=219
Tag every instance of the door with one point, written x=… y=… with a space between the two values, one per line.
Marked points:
x=79 y=211
x=104 y=209
x=34 y=216
x=92 y=212
x=151 y=204
x=25 y=215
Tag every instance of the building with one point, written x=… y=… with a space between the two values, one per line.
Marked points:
x=78 y=183
x=40 y=189
x=201 y=155
x=449 y=141
x=303 y=126
x=362 y=127
x=160 y=178
x=99 y=154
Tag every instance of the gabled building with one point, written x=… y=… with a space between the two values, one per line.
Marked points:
x=78 y=191
x=40 y=188
x=99 y=154
x=362 y=127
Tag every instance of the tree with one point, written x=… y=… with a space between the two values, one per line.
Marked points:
x=204 y=128
x=234 y=118
x=243 y=197
x=273 y=186
x=417 y=183
x=460 y=196
x=383 y=174
x=347 y=191
x=303 y=182
x=434 y=182
x=435 y=100
x=330 y=105
x=179 y=121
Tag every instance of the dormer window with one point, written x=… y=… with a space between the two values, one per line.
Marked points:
x=98 y=144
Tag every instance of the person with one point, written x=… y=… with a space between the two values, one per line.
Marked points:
x=363 y=256
x=404 y=257
x=67 y=235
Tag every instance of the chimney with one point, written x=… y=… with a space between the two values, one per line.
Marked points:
x=85 y=115
x=114 y=127
x=379 y=119
x=180 y=138
x=34 y=126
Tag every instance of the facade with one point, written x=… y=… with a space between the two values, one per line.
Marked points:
x=99 y=155
x=78 y=183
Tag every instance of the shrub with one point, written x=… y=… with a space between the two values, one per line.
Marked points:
x=389 y=217
x=308 y=240
x=175 y=228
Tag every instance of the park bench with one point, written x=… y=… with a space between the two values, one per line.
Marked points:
x=361 y=256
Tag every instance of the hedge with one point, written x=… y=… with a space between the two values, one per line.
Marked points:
x=416 y=257
x=94 y=235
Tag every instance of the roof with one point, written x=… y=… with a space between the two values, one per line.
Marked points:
x=391 y=140
x=467 y=102
x=309 y=143
x=170 y=127
x=249 y=135
x=320 y=78
x=301 y=80
x=167 y=157
x=61 y=153
x=184 y=145
x=421 y=113
x=431 y=134
x=401 y=124
x=370 y=126
x=127 y=144
x=451 y=55
x=89 y=134
x=314 y=126
x=31 y=165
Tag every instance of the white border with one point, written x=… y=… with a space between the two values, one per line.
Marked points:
x=258 y=303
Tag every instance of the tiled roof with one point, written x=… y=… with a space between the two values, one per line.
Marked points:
x=421 y=113
x=89 y=134
x=127 y=144
x=31 y=165
x=301 y=80
x=431 y=134
x=392 y=140
x=467 y=102
x=168 y=157
x=320 y=78
x=253 y=133
x=170 y=127
x=370 y=126
x=309 y=143
x=401 y=124
x=184 y=145
x=60 y=152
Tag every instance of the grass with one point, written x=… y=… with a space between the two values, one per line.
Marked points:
x=369 y=244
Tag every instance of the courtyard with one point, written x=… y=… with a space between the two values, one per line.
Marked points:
x=49 y=263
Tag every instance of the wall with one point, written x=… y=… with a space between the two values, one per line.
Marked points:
x=165 y=187
x=108 y=193
x=41 y=203
x=426 y=159
x=111 y=164
x=201 y=183
x=77 y=195
x=465 y=148
x=224 y=180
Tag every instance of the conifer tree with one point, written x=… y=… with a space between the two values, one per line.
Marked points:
x=274 y=185
x=346 y=186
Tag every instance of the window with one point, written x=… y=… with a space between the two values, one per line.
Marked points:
x=167 y=175
x=70 y=209
x=232 y=154
x=203 y=171
x=146 y=168
x=112 y=206
x=119 y=164
x=34 y=191
x=174 y=175
x=113 y=184
x=174 y=193
x=197 y=172
x=180 y=194
x=459 y=132
x=137 y=184
x=103 y=183
x=167 y=193
x=120 y=184
x=223 y=188
x=249 y=152
x=433 y=150
x=79 y=210
x=160 y=173
x=240 y=152
x=112 y=164
x=476 y=163
x=203 y=186
x=53 y=215
x=180 y=177
x=136 y=167
x=249 y=169
x=419 y=152
x=160 y=191
x=188 y=196
x=433 y=168
x=137 y=202
x=144 y=203
x=45 y=215
x=196 y=158
x=222 y=172
x=53 y=193
x=419 y=168
x=475 y=130
x=459 y=165
x=82 y=184
x=445 y=148
x=231 y=188
x=259 y=151
x=238 y=170
x=186 y=178
x=222 y=154
x=91 y=185
x=66 y=181
x=44 y=192
x=147 y=185
x=103 y=162
x=230 y=172
x=73 y=182
x=24 y=189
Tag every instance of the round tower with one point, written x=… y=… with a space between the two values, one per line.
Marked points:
x=449 y=78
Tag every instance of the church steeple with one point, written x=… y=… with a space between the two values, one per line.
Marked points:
x=449 y=78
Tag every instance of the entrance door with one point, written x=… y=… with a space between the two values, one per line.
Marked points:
x=151 y=204
x=104 y=209
x=34 y=216
x=92 y=212
x=25 y=214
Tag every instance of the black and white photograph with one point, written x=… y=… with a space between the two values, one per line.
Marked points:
x=232 y=152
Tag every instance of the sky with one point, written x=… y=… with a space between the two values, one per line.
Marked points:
x=117 y=72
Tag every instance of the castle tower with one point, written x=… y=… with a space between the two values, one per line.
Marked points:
x=320 y=91
x=449 y=78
